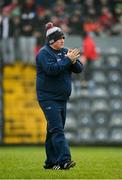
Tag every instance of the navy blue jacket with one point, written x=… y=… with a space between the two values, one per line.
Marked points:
x=53 y=81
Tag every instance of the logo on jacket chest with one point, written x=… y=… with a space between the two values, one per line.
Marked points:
x=60 y=56
x=59 y=59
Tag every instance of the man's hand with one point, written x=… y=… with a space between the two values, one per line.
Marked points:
x=73 y=54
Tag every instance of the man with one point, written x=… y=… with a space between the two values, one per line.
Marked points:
x=90 y=54
x=54 y=65
x=6 y=37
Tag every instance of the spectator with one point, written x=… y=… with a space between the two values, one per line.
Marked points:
x=75 y=23
x=40 y=19
x=106 y=20
x=27 y=40
x=117 y=27
x=6 y=36
x=16 y=33
x=92 y=26
x=89 y=52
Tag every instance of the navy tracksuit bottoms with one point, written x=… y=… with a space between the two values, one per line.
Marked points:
x=57 y=149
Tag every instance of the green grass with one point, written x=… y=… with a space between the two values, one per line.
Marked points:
x=92 y=163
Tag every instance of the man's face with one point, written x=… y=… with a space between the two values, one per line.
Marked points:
x=58 y=44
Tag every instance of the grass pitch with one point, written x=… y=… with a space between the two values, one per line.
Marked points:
x=92 y=163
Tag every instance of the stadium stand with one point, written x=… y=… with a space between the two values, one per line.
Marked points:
x=1 y=101
x=100 y=110
x=24 y=123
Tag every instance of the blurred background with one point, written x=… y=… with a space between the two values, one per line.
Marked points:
x=95 y=107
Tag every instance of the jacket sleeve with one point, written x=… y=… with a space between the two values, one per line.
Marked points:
x=51 y=67
x=77 y=67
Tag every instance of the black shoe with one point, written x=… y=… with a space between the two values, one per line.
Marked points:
x=53 y=167
x=68 y=165
x=47 y=166
x=56 y=167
